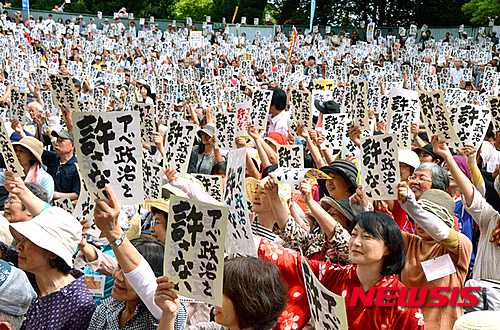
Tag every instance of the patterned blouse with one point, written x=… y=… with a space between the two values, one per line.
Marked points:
x=315 y=244
x=107 y=317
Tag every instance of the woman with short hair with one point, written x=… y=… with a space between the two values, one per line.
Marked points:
x=254 y=297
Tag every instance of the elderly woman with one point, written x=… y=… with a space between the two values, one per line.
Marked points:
x=254 y=297
x=139 y=264
x=29 y=153
x=46 y=247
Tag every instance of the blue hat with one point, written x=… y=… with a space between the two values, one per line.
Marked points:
x=17 y=292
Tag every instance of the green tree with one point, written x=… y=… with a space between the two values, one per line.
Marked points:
x=481 y=9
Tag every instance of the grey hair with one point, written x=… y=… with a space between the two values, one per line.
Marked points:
x=439 y=176
x=14 y=321
x=38 y=190
x=38 y=106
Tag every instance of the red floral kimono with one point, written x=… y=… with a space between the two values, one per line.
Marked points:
x=339 y=280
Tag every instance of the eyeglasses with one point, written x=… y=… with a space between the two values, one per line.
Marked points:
x=10 y=201
x=414 y=178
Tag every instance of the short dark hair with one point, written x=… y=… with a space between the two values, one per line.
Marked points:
x=61 y=265
x=38 y=190
x=219 y=168
x=279 y=98
x=383 y=227
x=152 y=250
x=311 y=58
x=257 y=291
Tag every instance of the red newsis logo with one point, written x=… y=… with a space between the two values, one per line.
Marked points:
x=413 y=297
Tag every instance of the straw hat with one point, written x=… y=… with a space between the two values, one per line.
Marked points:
x=251 y=184
x=478 y=320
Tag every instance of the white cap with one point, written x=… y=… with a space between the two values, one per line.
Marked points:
x=408 y=157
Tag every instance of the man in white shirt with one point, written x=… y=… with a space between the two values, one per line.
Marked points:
x=48 y=23
x=92 y=27
x=278 y=117
x=456 y=72
x=105 y=26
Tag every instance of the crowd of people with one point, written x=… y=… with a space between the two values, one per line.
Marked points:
x=446 y=207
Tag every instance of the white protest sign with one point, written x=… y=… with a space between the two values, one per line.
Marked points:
x=334 y=128
x=152 y=175
x=212 y=184
x=359 y=107
x=8 y=153
x=84 y=209
x=64 y=203
x=178 y=145
x=293 y=176
x=18 y=101
x=291 y=156
x=471 y=123
x=328 y=310
x=63 y=92
x=147 y=118
x=494 y=103
x=436 y=118
x=402 y=110
x=225 y=130
x=195 y=39
x=239 y=234
x=300 y=102
x=194 y=249
x=108 y=148
x=242 y=115
x=380 y=167
x=261 y=102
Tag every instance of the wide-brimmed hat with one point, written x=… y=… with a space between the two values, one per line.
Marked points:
x=439 y=203
x=344 y=168
x=209 y=130
x=160 y=204
x=478 y=320
x=54 y=230
x=342 y=205
x=251 y=184
x=34 y=145
x=17 y=292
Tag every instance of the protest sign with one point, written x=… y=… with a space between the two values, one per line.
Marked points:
x=63 y=92
x=239 y=235
x=328 y=310
x=108 y=148
x=402 y=110
x=152 y=175
x=225 y=130
x=195 y=39
x=194 y=249
x=84 y=208
x=334 y=128
x=8 y=153
x=65 y=204
x=291 y=156
x=293 y=176
x=301 y=108
x=436 y=118
x=261 y=102
x=178 y=145
x=147 y=117
x=18 y=101
x=242 y=116
x=471 y=123
x=494 y=104
x=359 y=107
x=212 y=184
x=380 y=167
x=324 y=85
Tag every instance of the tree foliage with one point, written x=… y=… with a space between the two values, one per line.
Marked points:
x=480 y=10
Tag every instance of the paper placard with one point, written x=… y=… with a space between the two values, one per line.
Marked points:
x=291 y=156
x=8 y=153
x=178 y=145
x=380 y=167
x=95 y=284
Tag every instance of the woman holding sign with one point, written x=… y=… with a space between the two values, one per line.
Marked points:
x=375 y=248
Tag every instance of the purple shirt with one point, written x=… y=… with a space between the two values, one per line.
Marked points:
x=69 y=308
